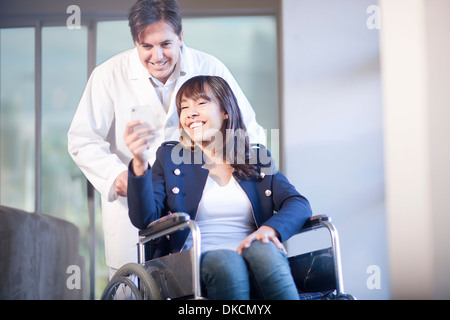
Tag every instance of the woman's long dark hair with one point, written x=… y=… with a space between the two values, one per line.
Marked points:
x=236 y=146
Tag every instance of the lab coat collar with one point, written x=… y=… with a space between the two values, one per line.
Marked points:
x=182 y=62
x=136 y=69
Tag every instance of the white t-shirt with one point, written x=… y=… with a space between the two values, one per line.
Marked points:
x=224 y=217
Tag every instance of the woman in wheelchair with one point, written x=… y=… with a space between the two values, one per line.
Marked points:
x=230 y=188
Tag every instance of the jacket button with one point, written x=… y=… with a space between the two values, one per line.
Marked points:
x=268 y=193
x=175 y=190
x=262 y=175
x=177 y=172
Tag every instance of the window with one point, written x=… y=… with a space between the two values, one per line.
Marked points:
x=17 y=126
x=64 y=74
x=248 y=47
x=113 y=37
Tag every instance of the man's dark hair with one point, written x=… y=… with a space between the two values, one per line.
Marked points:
x=146 y=12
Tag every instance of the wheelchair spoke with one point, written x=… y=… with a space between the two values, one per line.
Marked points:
x=123 y=289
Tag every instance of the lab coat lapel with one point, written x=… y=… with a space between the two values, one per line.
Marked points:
x=181 y=78
x=144 y=92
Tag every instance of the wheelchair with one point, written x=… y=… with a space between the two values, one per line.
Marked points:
x=317 y=274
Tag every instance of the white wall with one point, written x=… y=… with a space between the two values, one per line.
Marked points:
x=416 y=84
x=332 y=131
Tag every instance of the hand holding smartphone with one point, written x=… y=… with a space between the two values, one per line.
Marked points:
x=138 y=146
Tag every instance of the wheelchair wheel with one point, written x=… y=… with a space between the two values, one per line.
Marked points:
x=131 y=282
x=345 y=296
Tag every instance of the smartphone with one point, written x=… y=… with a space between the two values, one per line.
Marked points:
x=143 y=113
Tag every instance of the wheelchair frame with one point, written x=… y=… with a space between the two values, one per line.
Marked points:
x=324 y=221
x=178 y=221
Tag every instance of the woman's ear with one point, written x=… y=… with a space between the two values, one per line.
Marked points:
x=226 y=116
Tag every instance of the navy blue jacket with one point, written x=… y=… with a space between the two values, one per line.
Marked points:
x=172 y=185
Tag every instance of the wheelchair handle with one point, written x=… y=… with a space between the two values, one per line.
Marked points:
x=167 y=222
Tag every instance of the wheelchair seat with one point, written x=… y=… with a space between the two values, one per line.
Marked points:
x=317 y=274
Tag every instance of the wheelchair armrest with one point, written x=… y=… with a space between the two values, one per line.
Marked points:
x=167 y=222
x=314 y=222
x=324 y=221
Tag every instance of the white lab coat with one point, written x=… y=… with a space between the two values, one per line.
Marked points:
x=95 y=137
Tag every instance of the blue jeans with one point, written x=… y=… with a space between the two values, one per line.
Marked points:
x=262 y=271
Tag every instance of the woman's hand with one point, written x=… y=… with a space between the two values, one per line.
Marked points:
x=138 y=137
x=265 y=234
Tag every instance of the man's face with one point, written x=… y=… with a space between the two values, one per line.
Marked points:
x=159 y=49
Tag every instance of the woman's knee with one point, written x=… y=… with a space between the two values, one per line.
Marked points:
x=224 y=275
x=260 y=252
x=269 y=268
x=222 y=261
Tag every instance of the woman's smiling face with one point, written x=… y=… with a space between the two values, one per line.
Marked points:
x=202 y=118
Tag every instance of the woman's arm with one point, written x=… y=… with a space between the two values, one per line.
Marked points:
x=292 y=209
x=146 y=194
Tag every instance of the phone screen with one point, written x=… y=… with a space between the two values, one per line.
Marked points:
x=143 y=113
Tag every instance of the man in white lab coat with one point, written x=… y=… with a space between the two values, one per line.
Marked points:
x=148 y=76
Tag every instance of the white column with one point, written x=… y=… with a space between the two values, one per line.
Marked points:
x=415 y=70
